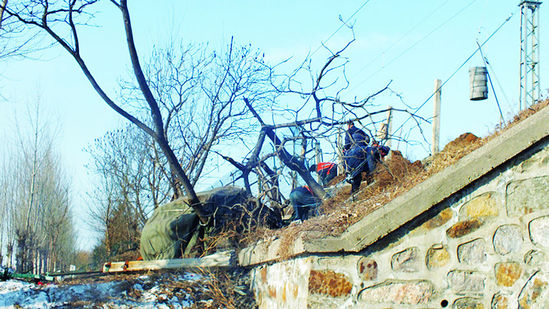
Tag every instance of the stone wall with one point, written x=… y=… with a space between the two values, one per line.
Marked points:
x=484 y=247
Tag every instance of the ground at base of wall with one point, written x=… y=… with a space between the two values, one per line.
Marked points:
x=175 y=289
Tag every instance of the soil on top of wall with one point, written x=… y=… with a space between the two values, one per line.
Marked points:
x=396 y=176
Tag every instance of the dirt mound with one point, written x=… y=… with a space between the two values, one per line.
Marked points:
x=395 y=168
x=462 y=141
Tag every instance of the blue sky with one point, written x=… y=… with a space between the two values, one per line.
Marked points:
x=409 y=42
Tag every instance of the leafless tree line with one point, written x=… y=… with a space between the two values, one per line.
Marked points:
x=37 y=232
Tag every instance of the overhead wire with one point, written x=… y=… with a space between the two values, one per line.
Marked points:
x=439 y=27
x=457 y=70
x=344 y=23
x=422 y=20
x=502 y=120
x=498 y=82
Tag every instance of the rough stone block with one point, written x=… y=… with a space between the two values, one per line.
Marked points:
x=330 y=283
x=473 y=252
x=463 y=228
x=534 y=292
x=439 y=220
x=367 y=269
x=507 y=239
x=407 y=260
x=539 y=231
x=263 y=274
x=507 y=273
x=466 y=282
x=527 y=196
x=501 y=301
x=534 y=258
x=413 y=292
x=483 y=206
x=437 y=256
x=539 y=160
x=468 y=303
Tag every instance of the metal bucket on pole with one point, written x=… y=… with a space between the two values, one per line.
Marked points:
x=478 y=77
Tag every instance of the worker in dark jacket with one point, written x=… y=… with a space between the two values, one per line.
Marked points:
x=355 y=155
x=303 y=201
x=326 y=170
x=360 y=160
x=355 y=137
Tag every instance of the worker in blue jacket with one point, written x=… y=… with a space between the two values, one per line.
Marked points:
x=326 y=170
x=359 y=157
x=303 y=201
x=355 y=137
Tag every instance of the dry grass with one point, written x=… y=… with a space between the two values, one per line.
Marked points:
x=215 y=288
x=228 y=289
x=339 y=212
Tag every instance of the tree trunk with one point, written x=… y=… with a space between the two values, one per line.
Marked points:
x=290 y=161
x=159 y=135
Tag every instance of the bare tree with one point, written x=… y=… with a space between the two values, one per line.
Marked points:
x=61 y=21
x=133 y=182
x=316 y=116
x=200 y=93
x=11 y=44
x=7 y=194
x=36 y=201
x=128 y=160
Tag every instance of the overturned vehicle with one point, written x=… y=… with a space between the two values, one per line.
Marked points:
x=175 y=229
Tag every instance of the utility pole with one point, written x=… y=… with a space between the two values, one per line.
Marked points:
x=340 y=144
x=529 y=53
x=2 y=9
x=384 y=133
x=318 y=152
x=436 y=118
x=318 y=158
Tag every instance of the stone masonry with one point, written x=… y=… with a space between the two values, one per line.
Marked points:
x=485 y=245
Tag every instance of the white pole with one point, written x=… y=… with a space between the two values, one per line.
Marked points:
x=436 y=118
x=389 y=126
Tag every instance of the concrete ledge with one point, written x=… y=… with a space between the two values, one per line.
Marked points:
x=219 y=259
x=416 y=201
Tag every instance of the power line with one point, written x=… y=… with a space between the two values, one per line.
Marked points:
x=455 y=72
x=402 y=37
x=498 y=82
x=344 y=23
x=491 y=85
x=417 y=42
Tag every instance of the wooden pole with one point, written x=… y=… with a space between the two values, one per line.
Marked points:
x=318 y=158
x=436 y=118
x=389 y=126
x=2 y=8
x=340 y=161
x=318 y=152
